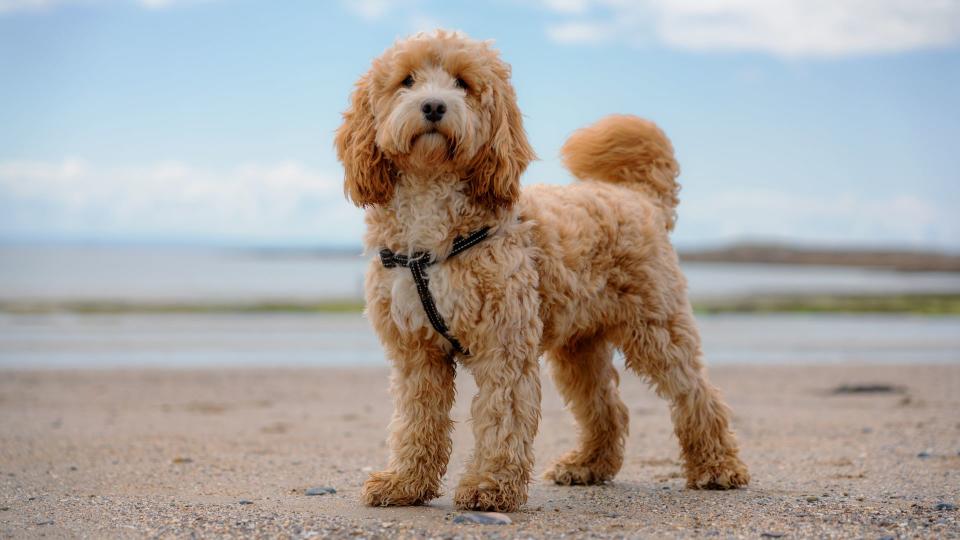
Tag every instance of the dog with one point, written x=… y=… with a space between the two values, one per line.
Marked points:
x=433 y=147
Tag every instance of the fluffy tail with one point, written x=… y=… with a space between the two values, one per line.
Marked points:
x=624 y=149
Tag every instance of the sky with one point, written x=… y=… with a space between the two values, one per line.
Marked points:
x=827 y=122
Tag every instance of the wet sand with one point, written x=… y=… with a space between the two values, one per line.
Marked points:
x=171 y=453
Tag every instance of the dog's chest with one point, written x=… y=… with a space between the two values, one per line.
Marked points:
x=421 y=217
x=406 y=308
x=425 y=211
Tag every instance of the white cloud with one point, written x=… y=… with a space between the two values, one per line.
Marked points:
x=423 y=23
x=579 y=32
x=9 y=6
x=409 y=12
x=369 y=9
x=843 y=218
x=792 y=28
x=288 y=202
x=15 y=6
x=568 y=6
x=284 y=201
x=157 y=4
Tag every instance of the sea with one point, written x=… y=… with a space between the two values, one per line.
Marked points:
x=138 y=274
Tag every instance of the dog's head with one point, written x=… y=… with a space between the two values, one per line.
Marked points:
x=434 y=103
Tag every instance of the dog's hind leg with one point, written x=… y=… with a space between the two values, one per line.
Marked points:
x=667 y=352
x=584 y=374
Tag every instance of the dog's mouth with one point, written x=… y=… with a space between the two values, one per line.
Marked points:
x=431 y=133
x=433 y=140
x=433 y=146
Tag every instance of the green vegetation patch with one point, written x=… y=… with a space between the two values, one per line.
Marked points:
x=117 y=308
x=920 y=304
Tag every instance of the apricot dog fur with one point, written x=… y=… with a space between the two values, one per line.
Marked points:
x=572 y=272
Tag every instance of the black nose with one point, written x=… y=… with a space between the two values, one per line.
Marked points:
x=433 y=110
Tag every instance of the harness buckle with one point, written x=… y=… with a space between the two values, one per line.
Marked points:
x=417 y=262
x=387 y=258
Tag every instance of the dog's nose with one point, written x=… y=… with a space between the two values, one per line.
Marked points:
x=433 y=109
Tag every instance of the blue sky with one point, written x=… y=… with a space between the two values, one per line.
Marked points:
x=211 y=121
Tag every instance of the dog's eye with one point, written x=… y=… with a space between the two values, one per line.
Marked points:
x=408 y=82
x=462 y=84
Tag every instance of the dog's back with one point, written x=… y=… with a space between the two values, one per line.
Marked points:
x=603 y=243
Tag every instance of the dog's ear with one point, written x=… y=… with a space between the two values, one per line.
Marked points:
x=494 y=178
x=368 y=175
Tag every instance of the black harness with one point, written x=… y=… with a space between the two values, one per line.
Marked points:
x=417 y=263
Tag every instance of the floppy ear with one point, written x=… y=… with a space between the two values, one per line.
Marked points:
x=496 y=170
x=368 y=175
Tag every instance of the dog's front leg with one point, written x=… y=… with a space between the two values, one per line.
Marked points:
x=506 y=409
x=423 y=388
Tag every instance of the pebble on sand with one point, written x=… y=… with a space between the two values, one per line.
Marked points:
x=945 y=506
x=482 y=518
x=244 y=501
x=325 y=490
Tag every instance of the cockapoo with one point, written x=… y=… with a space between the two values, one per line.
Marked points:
x=433 y=147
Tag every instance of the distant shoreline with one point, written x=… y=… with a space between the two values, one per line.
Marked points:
x=892 y=258
x=903 y=260
x=741 y=279
x=899 y=259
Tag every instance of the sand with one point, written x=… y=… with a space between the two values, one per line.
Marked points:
x=175 y=453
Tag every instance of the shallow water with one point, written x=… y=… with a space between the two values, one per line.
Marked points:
x=263 y=339
x=68 y=341
x=192 y=275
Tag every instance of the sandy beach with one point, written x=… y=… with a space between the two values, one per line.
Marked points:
x=199 y=199
x=173 y=453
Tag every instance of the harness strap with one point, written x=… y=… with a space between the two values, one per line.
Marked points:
x=417 y=263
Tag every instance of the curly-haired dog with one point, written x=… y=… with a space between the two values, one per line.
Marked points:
x=433 y=147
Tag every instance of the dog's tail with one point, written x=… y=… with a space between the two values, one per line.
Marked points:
x=624 y=149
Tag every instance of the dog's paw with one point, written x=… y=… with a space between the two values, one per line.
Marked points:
x=489 y=495
x=575 y=473
x=388 y=488
x=730 y=474
x=573 y=470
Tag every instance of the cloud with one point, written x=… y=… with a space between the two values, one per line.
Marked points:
x=376 y=10
x=409 y=13
x=158 y=4
x=283 y=202
x=788 y=28
x=568 y=6
x=580 y=32
x=288 y=202
x=837 y=218
x=418 y=22
x=11 y=6
x=369 y=9
x=16 y=6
